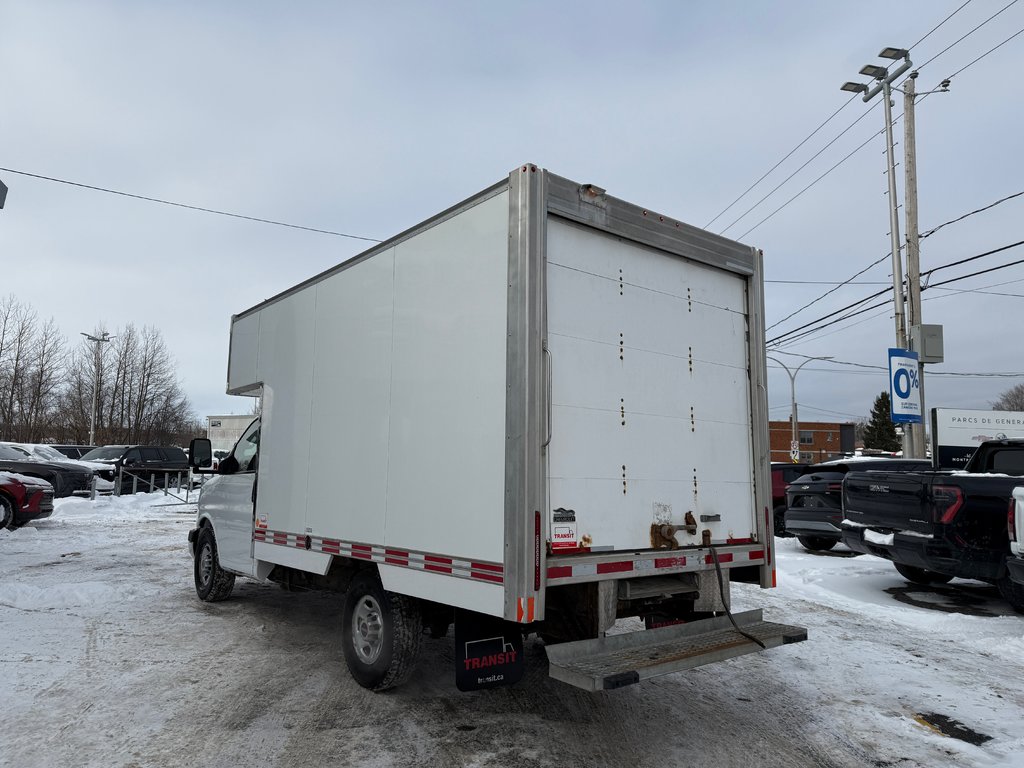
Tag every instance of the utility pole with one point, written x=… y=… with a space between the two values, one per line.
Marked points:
x=97 y=340
x=918 y=447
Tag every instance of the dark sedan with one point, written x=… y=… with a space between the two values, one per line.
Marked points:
x=814 y=501
x=66 y=479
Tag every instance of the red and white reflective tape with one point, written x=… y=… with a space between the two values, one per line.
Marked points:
x=476 y=570
x=648 y=565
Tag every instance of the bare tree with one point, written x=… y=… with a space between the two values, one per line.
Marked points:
x=16 y=337
x=44 y=369
x=1011 y=400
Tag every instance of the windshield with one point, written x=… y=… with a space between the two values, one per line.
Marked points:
x=49 y=453
x=13 y=453
x=107 y=452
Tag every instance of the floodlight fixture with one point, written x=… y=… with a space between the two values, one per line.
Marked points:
x=872 y=70
x=894 y=53
x=853 y=87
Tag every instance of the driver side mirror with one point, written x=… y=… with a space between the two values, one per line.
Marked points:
x=200 y=453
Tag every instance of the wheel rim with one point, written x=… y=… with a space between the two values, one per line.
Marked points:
x=367 y=630
x=205 y=564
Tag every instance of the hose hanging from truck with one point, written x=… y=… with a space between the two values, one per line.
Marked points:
x=721 y=591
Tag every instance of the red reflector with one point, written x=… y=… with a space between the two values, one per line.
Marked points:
x=725 y=557
x=536 y=550
x=1011 y=519
x=615 y=567
x=560 y=572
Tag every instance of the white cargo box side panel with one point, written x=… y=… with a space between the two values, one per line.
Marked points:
x=351 y=380
x=651 y=398
x=286 y=359
x=446 y=479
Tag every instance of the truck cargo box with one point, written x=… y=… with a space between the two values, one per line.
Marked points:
x=544 y=405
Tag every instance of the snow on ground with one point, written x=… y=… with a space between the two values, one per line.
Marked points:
x=108 y=659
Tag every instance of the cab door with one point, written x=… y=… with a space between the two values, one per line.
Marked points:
x=230 y=500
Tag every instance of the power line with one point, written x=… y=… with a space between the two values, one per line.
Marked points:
x=968 y=34
x=828 y=282
x=827 y=293
x=932 y=231
x=820 y=126
x=794 y=333
x=986 y=53
x=933 y=29
x=922 y=66
x=784 y=159
x=189 y=207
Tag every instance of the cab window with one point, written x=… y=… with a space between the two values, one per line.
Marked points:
x=247 y=449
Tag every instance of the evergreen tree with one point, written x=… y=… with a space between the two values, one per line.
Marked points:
x=880 y=432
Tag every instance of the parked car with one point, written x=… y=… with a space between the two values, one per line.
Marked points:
x=73 y=451
x=103 y=472
x=814 y=501
x=782 y=475
x=939 y=525
x=65 y=478
x=23 y=498
x=136 y=464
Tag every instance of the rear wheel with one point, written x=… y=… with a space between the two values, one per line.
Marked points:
x=381 y=633
x=213 y=583
x=921 y=575
x=1012 y=592
x=816 y=543
x=6 y=513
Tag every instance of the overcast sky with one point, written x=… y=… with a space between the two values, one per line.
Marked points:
x=366 y=118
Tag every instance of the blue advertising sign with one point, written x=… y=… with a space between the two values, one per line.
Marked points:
x=904 y=387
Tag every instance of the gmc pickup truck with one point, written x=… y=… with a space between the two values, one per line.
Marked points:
x=938 y=525
x=1015 y=562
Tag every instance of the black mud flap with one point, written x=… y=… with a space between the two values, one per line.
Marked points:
x=488 y=651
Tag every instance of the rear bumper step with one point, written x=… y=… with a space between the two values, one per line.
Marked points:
x=618 y=660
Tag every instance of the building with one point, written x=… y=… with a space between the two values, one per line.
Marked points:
x=819 y=440
x=224 y=431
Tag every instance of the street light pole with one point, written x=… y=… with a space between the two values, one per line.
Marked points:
x=885 y=79
x=795 y=436
x=97 y=340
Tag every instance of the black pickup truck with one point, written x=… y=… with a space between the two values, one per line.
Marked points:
x=937 y=525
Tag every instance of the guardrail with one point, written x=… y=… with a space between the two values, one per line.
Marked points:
x=155 y=479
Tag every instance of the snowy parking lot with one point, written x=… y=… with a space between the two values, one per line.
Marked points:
x=108 y=659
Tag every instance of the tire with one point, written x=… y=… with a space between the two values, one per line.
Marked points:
x=213 y=583
x=6 y=513
x=921 y=575
x=816 y=543
x=779 y=517
x=1012 y=592
x=381 y=632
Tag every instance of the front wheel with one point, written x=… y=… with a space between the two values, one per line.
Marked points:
x=213 y=583
x=921 y=575
x=6 y=513
x=381 y=633
x=816 y=543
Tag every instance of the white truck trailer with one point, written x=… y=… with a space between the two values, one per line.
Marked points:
x=541 y=410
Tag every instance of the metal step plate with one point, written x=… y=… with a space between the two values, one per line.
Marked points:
x=618 y=660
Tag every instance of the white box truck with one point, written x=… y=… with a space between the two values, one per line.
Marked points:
x=540 y=411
